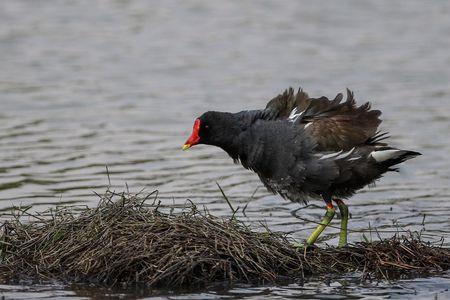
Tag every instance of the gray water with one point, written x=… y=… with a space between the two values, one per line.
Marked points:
x=89 y=84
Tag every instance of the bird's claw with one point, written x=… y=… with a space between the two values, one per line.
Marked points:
x=300 y=246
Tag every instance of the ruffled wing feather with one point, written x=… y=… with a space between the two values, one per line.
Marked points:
x=334 y=124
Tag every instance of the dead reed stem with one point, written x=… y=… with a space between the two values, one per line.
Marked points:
x=125 y=240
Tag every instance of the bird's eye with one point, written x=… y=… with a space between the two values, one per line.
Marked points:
x=206 y=126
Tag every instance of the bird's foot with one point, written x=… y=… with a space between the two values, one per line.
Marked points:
x=303 y=246
x=299 y=246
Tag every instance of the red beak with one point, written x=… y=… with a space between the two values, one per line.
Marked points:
x=194 y=139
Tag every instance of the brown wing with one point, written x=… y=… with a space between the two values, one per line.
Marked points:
x=335 y=125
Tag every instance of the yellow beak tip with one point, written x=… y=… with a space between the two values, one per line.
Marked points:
x=186 y=146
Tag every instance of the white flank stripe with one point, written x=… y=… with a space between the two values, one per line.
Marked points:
x=354 y=158
x=344 y=155
x=307 y=125
x=340 y=155
x=331 y=155
x=294 y=115
x=384 y=155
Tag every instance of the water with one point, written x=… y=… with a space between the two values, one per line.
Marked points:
x=85 y=84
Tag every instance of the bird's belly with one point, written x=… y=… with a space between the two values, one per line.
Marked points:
x=288 y=189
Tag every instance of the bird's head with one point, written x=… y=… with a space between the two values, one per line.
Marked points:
x=213 y=128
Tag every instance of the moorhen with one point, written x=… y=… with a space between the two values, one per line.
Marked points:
x=304 y=148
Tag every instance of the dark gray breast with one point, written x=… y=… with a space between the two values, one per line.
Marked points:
x=282 y=155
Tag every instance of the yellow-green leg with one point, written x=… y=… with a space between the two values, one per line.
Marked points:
x=344 y=222
x=325 y=221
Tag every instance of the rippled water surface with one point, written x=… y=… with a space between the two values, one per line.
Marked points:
x=85 y=84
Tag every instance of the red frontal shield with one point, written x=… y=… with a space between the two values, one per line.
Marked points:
x=194 y=139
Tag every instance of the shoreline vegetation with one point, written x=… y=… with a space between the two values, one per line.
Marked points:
x=129 y=240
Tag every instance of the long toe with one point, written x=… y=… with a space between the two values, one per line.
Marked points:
x=342 y=244
x=300 y=246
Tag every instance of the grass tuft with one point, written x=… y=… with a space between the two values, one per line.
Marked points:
x=125 y=240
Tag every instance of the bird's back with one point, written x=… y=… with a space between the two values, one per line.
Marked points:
x=305 y=147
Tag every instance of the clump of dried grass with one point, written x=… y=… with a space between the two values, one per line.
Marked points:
x=126 y=240
x=394 y=258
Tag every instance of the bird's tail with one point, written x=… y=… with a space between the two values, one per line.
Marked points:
x=389 y=157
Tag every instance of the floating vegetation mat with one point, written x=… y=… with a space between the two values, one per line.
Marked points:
x=130 y=240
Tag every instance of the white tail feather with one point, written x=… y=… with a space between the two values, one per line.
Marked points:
x=384 y=155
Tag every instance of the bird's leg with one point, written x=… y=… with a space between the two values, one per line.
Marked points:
x=325 y=221
x=344 y=221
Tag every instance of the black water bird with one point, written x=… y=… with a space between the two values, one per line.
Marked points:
x=304 y=148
